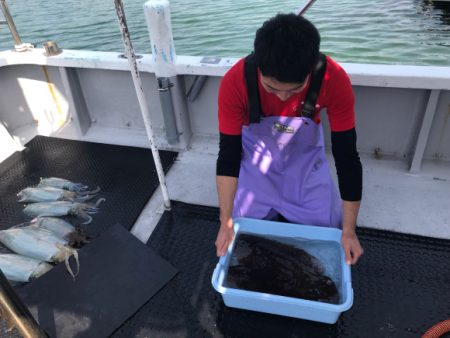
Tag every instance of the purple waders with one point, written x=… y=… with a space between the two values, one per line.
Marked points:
x=284 y=170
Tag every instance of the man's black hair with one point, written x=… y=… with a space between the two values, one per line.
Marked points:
x=286 y=48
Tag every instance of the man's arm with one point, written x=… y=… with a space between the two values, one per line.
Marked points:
x=228 y=165
x=341 y=116
x=350 y=242
x=351 y=209
x=232 y=108
x=349 y=172
x=226 y=189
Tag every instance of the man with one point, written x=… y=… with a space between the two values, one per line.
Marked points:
x=271 y=160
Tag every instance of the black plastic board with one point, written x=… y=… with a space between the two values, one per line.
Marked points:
x=126 y=175
x=400 y=288
x=118 y=274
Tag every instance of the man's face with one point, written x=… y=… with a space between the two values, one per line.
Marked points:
x=284 y=90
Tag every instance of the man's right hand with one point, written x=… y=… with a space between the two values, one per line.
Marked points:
x=226 y=189
x=224 y=237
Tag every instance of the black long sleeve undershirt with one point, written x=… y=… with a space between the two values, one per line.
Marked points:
x=230 y=152
x=348 y=164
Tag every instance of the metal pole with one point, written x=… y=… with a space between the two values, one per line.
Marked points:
x=141 y=98
x=10 y=22
x=303 y=9
x=157 y=15
x=15 y=313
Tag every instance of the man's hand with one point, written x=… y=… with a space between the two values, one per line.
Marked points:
x=351 y=246
x=224 y=237
x=226 y=189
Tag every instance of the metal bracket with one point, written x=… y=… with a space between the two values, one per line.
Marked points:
x=164 y=84
x=424 y=131
x=196 y=87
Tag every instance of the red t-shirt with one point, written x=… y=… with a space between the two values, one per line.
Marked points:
x=335 y=94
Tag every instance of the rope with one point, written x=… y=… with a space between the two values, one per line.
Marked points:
x=438 y=330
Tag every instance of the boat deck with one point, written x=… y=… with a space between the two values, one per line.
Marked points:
x=397 y=292
x=188 y=305
x=393 y=199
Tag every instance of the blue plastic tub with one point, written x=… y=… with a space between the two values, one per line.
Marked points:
x=280 y=305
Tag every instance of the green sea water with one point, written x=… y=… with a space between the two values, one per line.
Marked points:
x=414 y=32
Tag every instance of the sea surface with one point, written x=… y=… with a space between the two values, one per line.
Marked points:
x=414 y=32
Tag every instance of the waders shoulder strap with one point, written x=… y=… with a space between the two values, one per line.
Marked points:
x=251 y=78
x=314 y=87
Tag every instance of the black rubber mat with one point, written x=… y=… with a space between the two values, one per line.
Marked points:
x=118 y=274
x=400 y=287
x=126 y=175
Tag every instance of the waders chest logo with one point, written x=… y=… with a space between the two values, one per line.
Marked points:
x=283 y=128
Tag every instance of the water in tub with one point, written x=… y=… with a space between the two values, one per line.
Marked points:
x=292 y=267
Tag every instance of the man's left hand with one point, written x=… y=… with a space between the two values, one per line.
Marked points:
x=352 y=248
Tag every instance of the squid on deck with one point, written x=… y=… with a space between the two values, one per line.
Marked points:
x=61 y=229
x=63 y=208
x=62 y=183
x=41 y=244
x=18 y=268
x=58 y=226
x=52 y=194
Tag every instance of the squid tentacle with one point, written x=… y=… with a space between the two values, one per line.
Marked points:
x=90 y=192
x=67 y=253
x=79 y=187
x=85 y=216
x=77 y=261
x=83 y=198
x=100 y=200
